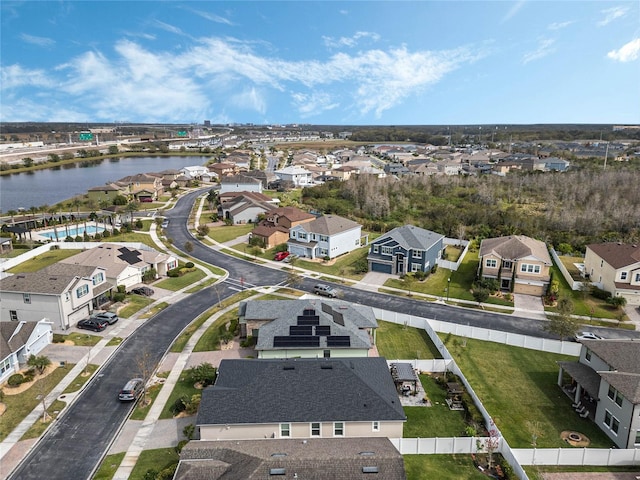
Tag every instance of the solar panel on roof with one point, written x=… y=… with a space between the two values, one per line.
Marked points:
x=296 y=341
x=308 y=312
x=338 y=318
x=323 y=330
x=300 y=330
x=130 y=256
x=311 y=320
x=339 y=341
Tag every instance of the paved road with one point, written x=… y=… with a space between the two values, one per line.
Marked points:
x=77 y=441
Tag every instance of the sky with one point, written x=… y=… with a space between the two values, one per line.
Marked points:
x=324 y=63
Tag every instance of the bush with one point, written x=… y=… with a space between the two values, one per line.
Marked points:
x=15 y=380
x=600 y=294
x=480 y=294
x=189 y=265
x=181 y=445
x=434 y=269
x=97 y=236
x=106 y=234
x=179 y=405
x=174 y=272
x=119 y=297
x=138 y=224
x=79 y=239
x=115 y=232
x=121 y=289
x=29 y=375
x=58 y=338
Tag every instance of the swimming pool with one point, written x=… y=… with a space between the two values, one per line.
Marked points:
x=73 y=232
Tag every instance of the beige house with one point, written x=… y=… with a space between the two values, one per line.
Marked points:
x=615 y=267
x=521 y=264
x=142 y=187
x=104 y=192
x=258 y=399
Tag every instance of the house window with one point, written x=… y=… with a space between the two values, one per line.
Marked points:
x=416 y=254
x=491 y=263
x=13 y=314
x=601 y=263
x=637 y=440
x=623 y=275
x=285 y=429
x=315 y=429
x=528 y=268
x=387 y=250
x=82 y=291
x=324 y=252
x=637 y=277
x=506 y=264
x=375 y=249
x=614 y=395
x=302 y=236
x=338 y=429
x=415 y=267
x=98 y=278
x=324 y=238
x=6 y=365
x=375 y=426
x=587 y=355
x=611 y=422
x=26 y=297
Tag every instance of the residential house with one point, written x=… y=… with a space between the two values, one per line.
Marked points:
x=312 y=459
x=274 y=229
x=328 y=236
x=301 y=398
x=556 y=164
x=265 y=177
x=18 y=341
x=308 y=328
x=61 y=292
x=106 y=192
x=405 y=249
x=240 y=183
x=296 y=174
x=606 y=380
x=194 y=172
x=246 y=207
x=397 y=169
x=123 y=265
x=223 y=169
x=344 y=172
x=615 y=267
x=142 y=187
x=521 y=264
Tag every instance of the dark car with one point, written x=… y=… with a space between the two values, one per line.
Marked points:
x=94 y=324
x=132 y=390
x=109 y=317
x=144 y=291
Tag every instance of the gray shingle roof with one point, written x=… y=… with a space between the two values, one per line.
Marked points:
x=330 y=225
x=515 y=247
x=14 y=336
x=53 y=280
x=410 y=237
x=312 y=459
x=274 y=391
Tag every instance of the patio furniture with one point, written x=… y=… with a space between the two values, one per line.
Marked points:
x=585 y=414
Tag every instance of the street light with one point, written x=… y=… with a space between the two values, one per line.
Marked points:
x=448 y=287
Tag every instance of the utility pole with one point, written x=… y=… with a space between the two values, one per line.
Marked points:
x=606 y=153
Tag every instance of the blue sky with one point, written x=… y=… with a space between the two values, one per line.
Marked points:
x=331 y=62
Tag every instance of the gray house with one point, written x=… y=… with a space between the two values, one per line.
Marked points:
x=301 y=398
x=405 y=249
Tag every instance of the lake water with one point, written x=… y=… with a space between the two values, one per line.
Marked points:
x=48 y=187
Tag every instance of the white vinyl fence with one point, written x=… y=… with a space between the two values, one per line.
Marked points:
x=453 y=266
x=575 y=285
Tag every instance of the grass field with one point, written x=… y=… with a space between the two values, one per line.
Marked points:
x=441 y=467
x=225 y=233
x=177 y=283
x=109 y=466
x=134 y=304
x=156 y=460
x=396 y=341
x=43 y=260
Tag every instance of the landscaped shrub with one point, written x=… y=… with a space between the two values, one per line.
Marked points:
x=181 y=445
x=79 y=239
x=434 y=269
x=97 y=236
x=106 y=234
x=58 y=338
x=189 y=265
x=600 y=294
x=29 y=375
x=119 y=297
x=15 y=380
x=138 y=224
x=480 y=294
x=149 y=275
x=179 y=405
x=121 y=289
x=361 y=266
x=174 y=272
x=115 y=232
x=168 y=472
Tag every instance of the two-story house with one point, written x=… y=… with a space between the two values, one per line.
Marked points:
x=60 y=292
x=274 y=228
x=301 y=398
x=239 y=183
x=296 y=174
x=521 y=264
x=328 y=236
x=223 y=169
x=106 y=193
x=142 y=187
x=405 y=249
x=615 y=267
x=606 y=380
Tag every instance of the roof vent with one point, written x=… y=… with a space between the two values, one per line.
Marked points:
x=277 y=471
x=367 y=454
x=289 y=367
x=326 y=366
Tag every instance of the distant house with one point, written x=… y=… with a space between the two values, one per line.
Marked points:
x=301 y=398
x=312 y=459
x=19 y=340
x=615 y=267
x=123 y=265
x=265 y=177
x=60 y=292
x=295 y=174
x=194 y=172
x=308 y=328
x=104 y=192
x=240 y=183
x=556 y=164
x=521 y=264
x=606 y=380
x=274 y=229
x=326 y=236
x=405 y=249
x=223 y=169
x=142 y=187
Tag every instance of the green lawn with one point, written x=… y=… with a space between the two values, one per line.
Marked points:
x=182 y=387
x=81 y=379
x=157 y=460
x=396 y=341
x=518 y=387
x=178 y=283
x=79 y=339
x=226 y=233
x=20 y=405
x=141 y=410
x=441 y=467
x=43 y=260
x=210 y=339
x=109 y=466
x=344 y=266
x=535 y=472
x=134 y=304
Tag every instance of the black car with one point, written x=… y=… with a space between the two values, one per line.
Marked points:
x=144 y=291
x=94 y=324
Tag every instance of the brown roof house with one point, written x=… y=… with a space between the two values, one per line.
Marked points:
x=606 y=381
x=521 y=264
x=615 y=267
x=312 y=459
x=245 y=207
x=143 y=187
x=274 y=229
x=104 y=192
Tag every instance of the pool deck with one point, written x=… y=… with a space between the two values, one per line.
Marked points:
x=62 y=231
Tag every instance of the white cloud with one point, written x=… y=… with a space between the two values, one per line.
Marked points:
x=39 y=41
x=513 y=11
x=560 y=25
x=14 y=76
x=211 y=17
x=627 y=53
x=611 y=14
x=545 y=47
x=169 y=28
x=250 y=99
x=315 y=103
x=349 y=41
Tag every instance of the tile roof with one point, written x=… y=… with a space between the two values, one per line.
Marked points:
x=52 y=280
x=310 y=459
x=618 y=255
x=515 y=247
x=275 y=391
x=411 y=237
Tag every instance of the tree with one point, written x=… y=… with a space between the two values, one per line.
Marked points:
x=40 y=363
x=53 y=157
x=204 y=374
x=12 y=213
x=113 y=150
x=563 y=324
x=408 y=281
x=188 y=246
x=27 y=162
x=617 y=302
x=145 y=365
x=130 y=208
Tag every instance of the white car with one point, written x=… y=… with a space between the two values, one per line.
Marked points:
x=587 y=336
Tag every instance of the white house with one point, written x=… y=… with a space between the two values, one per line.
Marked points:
x=300 y=176
x=19 y=340
x=239 y=183
x=193 y=172
x=326 y=236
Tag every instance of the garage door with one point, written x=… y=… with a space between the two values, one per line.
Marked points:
x=529 y=289
x=78 y=315
x=381 y=268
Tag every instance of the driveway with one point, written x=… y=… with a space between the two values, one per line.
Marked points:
x=530 y=305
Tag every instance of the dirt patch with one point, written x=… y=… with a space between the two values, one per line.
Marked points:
x=25 y=386
x=575 y=439
x=3 y=408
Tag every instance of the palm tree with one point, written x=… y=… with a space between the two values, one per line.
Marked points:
x=131 y=207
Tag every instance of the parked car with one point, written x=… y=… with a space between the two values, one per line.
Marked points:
x=132 y=390
x=587 y=336
x=165 y=224
x=144 y=291
x=290 y=258
x=326 y=290
x=109 y=317
x=281 y=256
x=94 y=324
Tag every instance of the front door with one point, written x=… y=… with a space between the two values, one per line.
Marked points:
x=505 y=284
